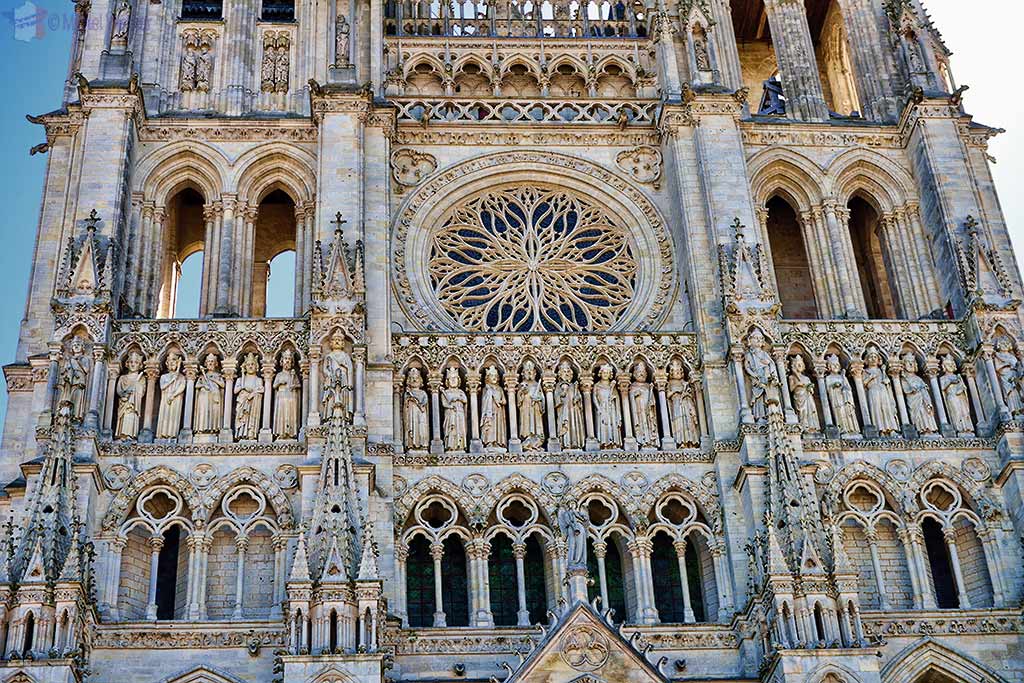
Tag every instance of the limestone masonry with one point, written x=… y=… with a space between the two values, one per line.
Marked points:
x=628 y=342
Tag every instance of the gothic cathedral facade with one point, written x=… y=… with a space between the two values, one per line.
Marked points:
x=626 y=341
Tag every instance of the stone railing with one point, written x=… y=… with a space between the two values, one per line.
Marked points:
x=500 y=110
x=205 y=381
x=547 y=393
x=857 y=379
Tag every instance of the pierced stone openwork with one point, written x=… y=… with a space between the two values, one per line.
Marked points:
x=532 y=259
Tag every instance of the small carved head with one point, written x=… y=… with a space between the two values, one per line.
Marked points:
x=872 y=358
x=212 y=362
x=134 y=361
x=173 y=361
x=452 y=378
x=833 y=364
x=676 y=369
x=287 y=359
x=949 y=364
x=77 y=346
x=251 y=365
x=640 y=372
x=796 y=364
x=491 y=375
x=414 y=380
x=909 y=363
x=337 y=341
x=565 y=371
x=529 y=370
x=755 y=340
x=606 y=372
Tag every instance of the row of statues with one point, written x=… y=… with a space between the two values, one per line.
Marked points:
x=561 y=412
x=889 y=396
x=1010 y=372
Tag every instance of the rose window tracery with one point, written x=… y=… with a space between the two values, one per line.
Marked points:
x=532 y=259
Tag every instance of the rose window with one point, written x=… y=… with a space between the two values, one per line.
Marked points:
x=529 y=259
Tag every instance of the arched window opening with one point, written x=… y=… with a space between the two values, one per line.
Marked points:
x=455 y=597
x=168 y=594
x=819 y=622
x=297 y=631
x=501 y=568
x=872 y=261
x=273 y=234
x=787 y=625
x=536 y=585
x=838 y=81
x=278 y=10
x=789 y=258
x=419 y=584
x=695 y=580
x=30 y=632
x=614 y=578
x=668 y=586
x=280 y=294
x=941 y=565
x=189 y=286
x=184 y=235
x=209 y=10
x=333 y=632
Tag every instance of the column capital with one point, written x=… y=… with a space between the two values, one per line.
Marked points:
x=437 y=551
x=156 y=543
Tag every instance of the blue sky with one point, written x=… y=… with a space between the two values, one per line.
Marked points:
x=984 y=40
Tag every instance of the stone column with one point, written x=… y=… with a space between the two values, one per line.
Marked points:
x=207 y=292
x=280 y=557
x=228 y=367
x=726 y=604
x=110 y=398
x=401 y=556
x=897 y=389
x=191 y=370
x=241 y=544
x=436 y=439
x=668 y=441
x=519 y=552
x=993 y=380
x=359 y=358
x=473 y=390
x=437 y=553
x=949 y=535
x=224 y=279
x=266 y=434
x=156 y=543
x=548 y=383
x=96 y=382
x=680 y=547
x=794 y=53
x=108 y=603
x=826 y=408
x=932 y=370
x=313 y=418
x=397 y=418
x=485 y=583
x=846 y=274
x=876 y=564
x=195 y=548
x=856 y=371
x=155 y=272
x=300 y=259
x=627 y=414
x=152 y=372
x=924 y=596
x=514 y=444
x=787 y=401
x=587 y=389
x=877 y=81
x=736 y=354
x=968 y=370
x=600 y=553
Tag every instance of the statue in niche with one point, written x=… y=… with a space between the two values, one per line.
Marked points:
x=417 y=429
x=840 y=396
x=268 y=68
x=920 y=409
x=342 y=32
x=642 y=403
x=131 y=390
x=530 y=400
x=209 y=397
x=337 y=375
x=287 y=391
x=73 y=378
x=954 y=390
x=204 y=67
x=189 y=62
x=682 y=406
x=122 y=21
x=573 y=525
x=248 y=400
x=1007 y=371
x=878 y=386
x=454 y=400
x=172 y=396
x=493 y=404
x=282 y=60
x=606 y=407
x=569 y=409
x=764 y=379
x=701 y=55
x=801 y=387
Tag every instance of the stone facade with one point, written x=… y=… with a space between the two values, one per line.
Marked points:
x=630 y=342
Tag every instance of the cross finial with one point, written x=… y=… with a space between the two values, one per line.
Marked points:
x=338 y=222
x=972 y=225
x=738 y=228
x=92 y=220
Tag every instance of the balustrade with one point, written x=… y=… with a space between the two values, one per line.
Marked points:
x=498 y=110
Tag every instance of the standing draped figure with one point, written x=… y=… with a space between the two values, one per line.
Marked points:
x=209 y=415
x=878 y=386
x=801 y=387
x=920 y=409
x=337 y=377
x=530 y=402
x=682 y=406
x=287 y=390
x=172 y=396
x=454 y=400
x=763 y=377
x=840 y=396
x=1007 y=370
x=73 y=378
x=569 y=409
x=493 y=430
x=954 y=390
x=414 y=412
x=608 y=425
x=642 y=403
x=248 y=400
x=131 y=390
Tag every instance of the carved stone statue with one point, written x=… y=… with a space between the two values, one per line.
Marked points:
x=840 y=397
x=209 y=412
x=287 y=398
x=644 y=409
x=878 y=386
x=530 y=401
x=282 y=61
x=573 y=525
x=337 y=378
x=131 y=390
x=248 y=400
x=700 y=49
x=454 y=400
x=414 y=413
x=569 y=409
x=682 y=406
x=73 y=379
x=801 y=388
x=172 y=397
x=342 y=32
x=204 y=67
x=1007 y=370
x=122 y=21
x=493 y=404
x=958 y=404
x=759 y=367
x=269 y=65
x=608 y=425
x=920 y=409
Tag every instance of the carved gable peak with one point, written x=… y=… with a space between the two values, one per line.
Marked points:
x=810 y=561
x=334 y=567
x=300 y=565
x=582 y=647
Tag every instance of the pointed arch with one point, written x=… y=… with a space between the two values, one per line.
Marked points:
x=201 y=674
x=779 y=170
x=275 y=166
x=433 y=484
x=862 y=470
x=168 y=169
x=275 y=496
x=517 y=482
x=120 y=507
x=930 y=655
